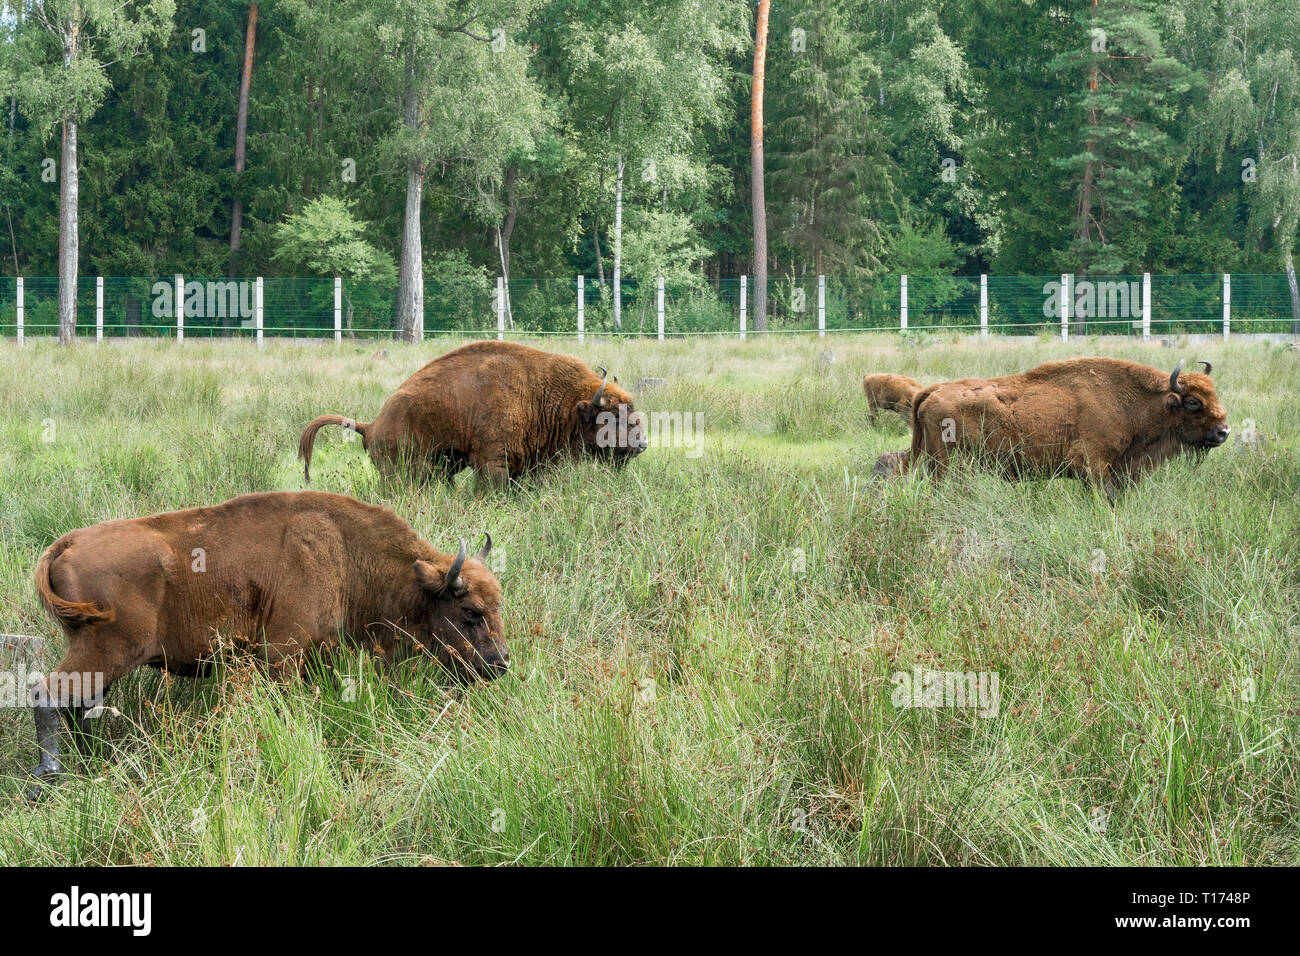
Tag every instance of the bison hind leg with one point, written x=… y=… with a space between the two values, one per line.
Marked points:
x=446 y=464
x=81 y=682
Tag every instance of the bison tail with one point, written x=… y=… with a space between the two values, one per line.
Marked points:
x=308 y=438
x=72 y=614
x=918 y=431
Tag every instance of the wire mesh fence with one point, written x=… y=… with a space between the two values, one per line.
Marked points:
x=192 y=306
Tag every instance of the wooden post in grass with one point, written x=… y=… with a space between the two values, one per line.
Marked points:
x=338 y=310
x=501 y=308
x=660 y=295
x=744 y=294
x=821 y=306
x=984 y=305
x=582 y=307
x=1227 y=305
x=1065 y=307
x=1146 y=306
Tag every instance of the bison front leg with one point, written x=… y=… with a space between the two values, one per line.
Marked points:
x=492 y=468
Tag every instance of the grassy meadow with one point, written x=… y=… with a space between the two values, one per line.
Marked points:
x=703 y=643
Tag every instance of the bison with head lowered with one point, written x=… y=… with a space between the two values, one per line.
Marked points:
x=286 y=573
x=1103 y=420
x=500 y=408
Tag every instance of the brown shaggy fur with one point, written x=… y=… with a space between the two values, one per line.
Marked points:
x=500 y=408
x=1098 y=419
x=286 y=572
x=890 y=465
x=892 y=393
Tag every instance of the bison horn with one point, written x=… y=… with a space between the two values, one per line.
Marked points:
x=453 y=572
x=1173 y=378
x=1208 y=367
x=486 y=549
x=595 y=399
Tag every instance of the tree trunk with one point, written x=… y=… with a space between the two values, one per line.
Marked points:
x=756 y=169
x=13 y=240
x=241 y=140
x=1086 y=195
x=410 y=270
x=1295 y=291
x=595 y=241
x=618 y=247
x=504 y=233
x=68 y=236
x=512 y=215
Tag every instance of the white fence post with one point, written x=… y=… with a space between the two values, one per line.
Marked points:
x=19 y=312
x=821 y=305
x=582 y=306
x=501 y=308
x=902 y=302
x=338 y=310
x=744 y=294
x=257 y=311
x=1146 y=306
x=180 y=307
x=99 y=308
x=1227 y=305
x=984 y=305
x=1066 y=296
x=660 y=294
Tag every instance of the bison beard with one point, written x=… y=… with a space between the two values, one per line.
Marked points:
x=500 y=408
x=1102 y=420
x=288 y=572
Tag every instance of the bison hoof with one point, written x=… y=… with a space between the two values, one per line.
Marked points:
x=46 y=768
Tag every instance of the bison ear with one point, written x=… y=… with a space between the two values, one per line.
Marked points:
x=429 y=577
x=1173 y=402
x=586 y=411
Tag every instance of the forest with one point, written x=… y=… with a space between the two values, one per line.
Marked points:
x=442 y=143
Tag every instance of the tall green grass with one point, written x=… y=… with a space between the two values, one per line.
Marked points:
x=703 y=646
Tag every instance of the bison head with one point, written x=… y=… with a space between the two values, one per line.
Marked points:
x=1197 y=418
x=608 y=424
x=461 y=614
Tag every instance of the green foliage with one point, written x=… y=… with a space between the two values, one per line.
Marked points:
x=828 y=158
x=327 y=238
x=897 y=131
x=456 y=291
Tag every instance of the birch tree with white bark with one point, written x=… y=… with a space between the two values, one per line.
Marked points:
x=60 y=77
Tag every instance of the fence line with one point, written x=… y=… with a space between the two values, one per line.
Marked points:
x=1065 y=305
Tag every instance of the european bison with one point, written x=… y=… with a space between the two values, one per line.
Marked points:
x=285 y=571
x=1099 y=419
x=893 y=393
x=501 y=408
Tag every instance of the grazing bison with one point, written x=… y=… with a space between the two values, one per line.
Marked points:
x=1099 y=419
x=285 y=571
x=893 y=393
x=501 y=408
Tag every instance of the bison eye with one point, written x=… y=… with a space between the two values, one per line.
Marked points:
x=1192 y=405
